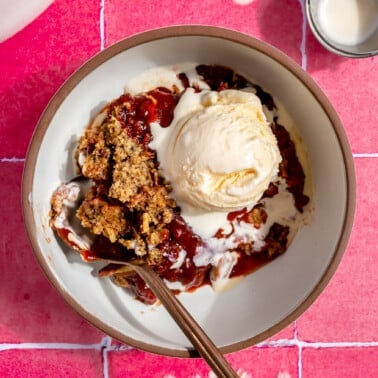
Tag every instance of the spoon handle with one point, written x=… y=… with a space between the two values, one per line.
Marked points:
x=189 y=326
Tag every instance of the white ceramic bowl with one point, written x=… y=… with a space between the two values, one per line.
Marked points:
x=264 y=302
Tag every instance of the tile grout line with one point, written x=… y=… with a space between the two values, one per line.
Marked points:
x=102 y=24
x=363 y=155
x=299 y=366
x=316 y=344
x=303 y=45
x=106 y=346
x=338 y=344
x=62 y=346
x=12 y=160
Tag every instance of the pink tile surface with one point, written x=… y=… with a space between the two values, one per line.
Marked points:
x=32 y=311
x=354 y=96
x=41 y=336
x=36 y=61
x=256 y=362
x=348 y=308
x=340 y=362
x=50 y=363
x=277 y=24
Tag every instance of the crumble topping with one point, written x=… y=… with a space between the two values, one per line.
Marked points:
x=129 y=203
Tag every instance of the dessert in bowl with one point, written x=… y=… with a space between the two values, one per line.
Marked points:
x=161 y=125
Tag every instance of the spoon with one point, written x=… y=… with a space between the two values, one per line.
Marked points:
x=65 y=201
x=203 y=344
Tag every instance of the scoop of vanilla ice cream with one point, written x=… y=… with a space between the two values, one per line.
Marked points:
x=222 y=153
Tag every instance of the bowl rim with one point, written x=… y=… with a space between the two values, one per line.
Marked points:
x=164 y=33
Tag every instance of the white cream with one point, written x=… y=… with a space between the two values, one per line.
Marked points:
x=348 y=22
x=179 y=261
x=165 y=76
x=69 y=194
x=176 y=285
x=223 y=265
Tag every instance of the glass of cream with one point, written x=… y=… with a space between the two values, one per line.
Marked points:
x=345 y=27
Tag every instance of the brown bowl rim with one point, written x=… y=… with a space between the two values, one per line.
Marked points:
x=177 y=31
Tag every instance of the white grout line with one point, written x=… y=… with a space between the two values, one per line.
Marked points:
x=106 y=346
x=316 y=344
x=102 y=24
x=12 y=160
x=300 y=368
x=339 y=344
x=63 y=346
x=304 y=39
x=363 y=155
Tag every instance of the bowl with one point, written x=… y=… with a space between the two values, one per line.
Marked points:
x=264 y=302
x=356 y=36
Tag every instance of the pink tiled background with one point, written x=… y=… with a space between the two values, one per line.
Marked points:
x=40 y=335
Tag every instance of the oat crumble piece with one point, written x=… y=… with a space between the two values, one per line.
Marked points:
x=129 y=204
x=102 y=218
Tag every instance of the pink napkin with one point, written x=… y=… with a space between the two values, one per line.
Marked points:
x=16 y=14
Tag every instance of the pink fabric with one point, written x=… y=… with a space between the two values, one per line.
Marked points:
x=40 y=335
